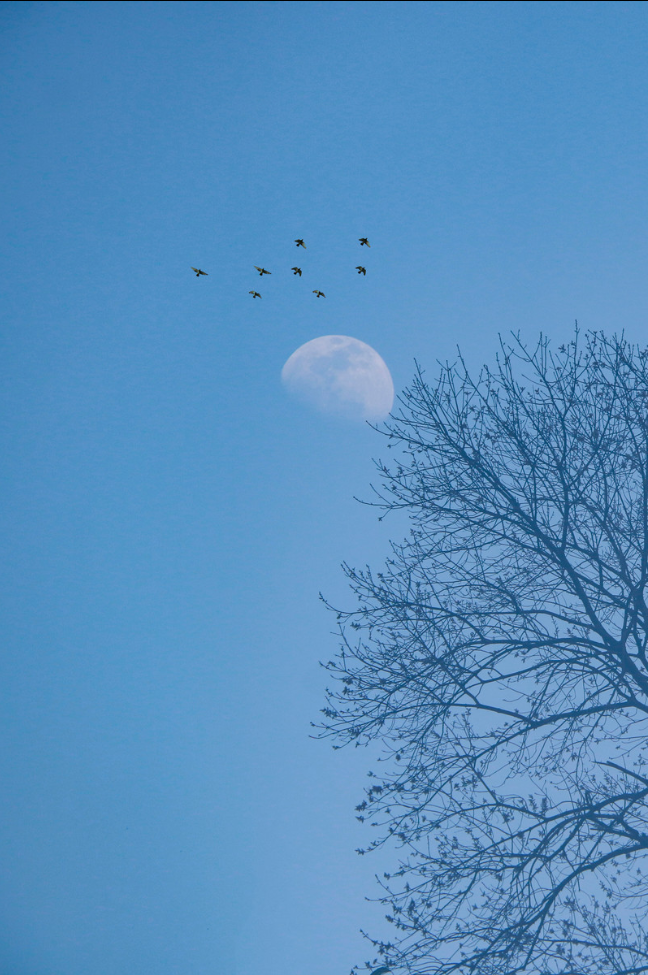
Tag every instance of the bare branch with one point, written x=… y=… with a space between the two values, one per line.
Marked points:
x=499 y=660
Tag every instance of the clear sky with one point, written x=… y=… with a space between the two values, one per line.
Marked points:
x=169 y=514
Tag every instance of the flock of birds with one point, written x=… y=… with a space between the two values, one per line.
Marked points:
x=296 y=270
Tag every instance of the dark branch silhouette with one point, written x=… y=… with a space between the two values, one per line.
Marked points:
x=500 y=662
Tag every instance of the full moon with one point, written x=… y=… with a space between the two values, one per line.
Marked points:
x=340 y=375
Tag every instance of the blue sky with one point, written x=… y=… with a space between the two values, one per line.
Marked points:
x=169 y=514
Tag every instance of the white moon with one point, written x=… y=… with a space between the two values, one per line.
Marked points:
x=340 y=375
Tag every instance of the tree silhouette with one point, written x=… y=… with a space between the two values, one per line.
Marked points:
x=500 y=663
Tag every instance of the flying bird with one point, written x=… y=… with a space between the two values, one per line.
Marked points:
x=262 y=271
x=300 y=243
x=255 y=294
x=199 y=272
x=320 y=294
x=360 y=269
x=296 y=270
x=363 y=240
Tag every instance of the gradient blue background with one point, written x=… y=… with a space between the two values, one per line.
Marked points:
x=169 y=515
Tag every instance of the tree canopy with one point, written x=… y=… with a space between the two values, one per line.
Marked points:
x=499 y=660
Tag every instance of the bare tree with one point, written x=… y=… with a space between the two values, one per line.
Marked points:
x=500 y=662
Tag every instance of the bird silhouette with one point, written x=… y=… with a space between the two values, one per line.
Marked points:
x=363 y=240
x=199 y=272
x=320 y=294
x=255 y=294
x=360 y=269
x=296 y=270
x=300 y=243
x=381 y=971
x=262 y=271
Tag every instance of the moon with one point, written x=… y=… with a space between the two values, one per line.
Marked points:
x=342 y=376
